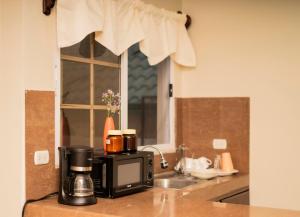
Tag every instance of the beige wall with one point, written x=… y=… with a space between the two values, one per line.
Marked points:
x=27 y=55
x=12 y=109
x=252 y=48
x=40 y=47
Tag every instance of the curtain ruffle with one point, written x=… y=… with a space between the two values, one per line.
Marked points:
x=118 y=24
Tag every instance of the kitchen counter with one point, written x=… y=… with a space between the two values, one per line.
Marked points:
x=190 y=201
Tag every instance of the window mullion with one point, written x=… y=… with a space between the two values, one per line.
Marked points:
x=89 y=61
x=92 y=125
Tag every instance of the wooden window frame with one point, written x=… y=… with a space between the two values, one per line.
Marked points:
x=91 y=106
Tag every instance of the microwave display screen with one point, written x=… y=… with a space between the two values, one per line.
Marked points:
x=129 y=173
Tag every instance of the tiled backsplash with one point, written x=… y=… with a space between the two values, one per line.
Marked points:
x=200 y=120
x=39 y=135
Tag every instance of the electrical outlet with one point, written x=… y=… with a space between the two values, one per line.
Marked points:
x=41 y=157
x=219 y=143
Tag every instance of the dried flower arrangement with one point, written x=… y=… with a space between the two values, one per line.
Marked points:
x=112 y=101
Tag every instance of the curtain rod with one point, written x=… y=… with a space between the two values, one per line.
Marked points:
x=49 y=4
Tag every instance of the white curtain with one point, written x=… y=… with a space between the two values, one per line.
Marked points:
x=118 y=24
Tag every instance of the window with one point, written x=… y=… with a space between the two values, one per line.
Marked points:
x=148 y=99
x=87 y=70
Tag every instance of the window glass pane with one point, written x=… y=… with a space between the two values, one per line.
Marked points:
x=148 y=100
x=81 y=49
x=75 y=83
x=99 y=121
x=75 y=127
x=103 y=54
x=148 y=120
x=105 y=78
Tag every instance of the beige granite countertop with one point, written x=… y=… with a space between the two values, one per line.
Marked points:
x=158 y=202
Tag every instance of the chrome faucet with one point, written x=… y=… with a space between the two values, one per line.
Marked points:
x=163 y=162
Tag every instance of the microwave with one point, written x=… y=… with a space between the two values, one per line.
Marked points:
x=122 y=174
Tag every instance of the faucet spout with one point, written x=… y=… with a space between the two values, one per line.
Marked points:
x=163 y=162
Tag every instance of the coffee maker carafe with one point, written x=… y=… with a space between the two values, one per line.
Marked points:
x=76 y=186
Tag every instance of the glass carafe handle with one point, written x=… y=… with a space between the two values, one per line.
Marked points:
x=69 y=185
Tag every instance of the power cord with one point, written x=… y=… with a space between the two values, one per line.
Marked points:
x=35 y=200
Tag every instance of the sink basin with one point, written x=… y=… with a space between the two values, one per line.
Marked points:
x=174 y=181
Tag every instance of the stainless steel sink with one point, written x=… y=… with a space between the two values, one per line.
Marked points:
x=173 y=180
x=173 y=183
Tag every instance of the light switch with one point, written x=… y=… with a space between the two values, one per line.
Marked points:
x=219 y=143
x=41 y=157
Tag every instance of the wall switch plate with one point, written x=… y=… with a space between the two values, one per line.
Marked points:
x=41 y=157
x=219 y=143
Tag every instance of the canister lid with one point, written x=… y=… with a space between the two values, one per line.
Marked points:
x=129 y=131
x=114 y=133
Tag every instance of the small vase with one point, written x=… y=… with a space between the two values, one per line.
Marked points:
x=109 y=125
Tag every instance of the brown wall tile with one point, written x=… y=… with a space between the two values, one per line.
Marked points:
x=39 y=135
x=200 y=120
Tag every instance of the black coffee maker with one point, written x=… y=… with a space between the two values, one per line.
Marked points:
x=76 y=186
